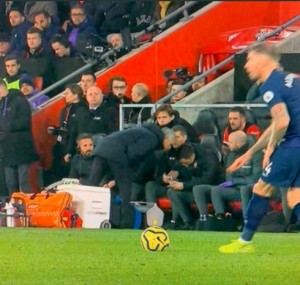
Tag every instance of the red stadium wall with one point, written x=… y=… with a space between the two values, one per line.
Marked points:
x=181 y=47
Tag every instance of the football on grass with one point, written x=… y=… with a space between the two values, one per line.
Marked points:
x=155 y=239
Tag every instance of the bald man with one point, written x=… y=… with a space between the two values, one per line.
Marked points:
x=140 y=95
x=238 y=184
x=103 y=119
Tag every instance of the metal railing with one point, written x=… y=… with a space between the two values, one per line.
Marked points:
x=186 y=86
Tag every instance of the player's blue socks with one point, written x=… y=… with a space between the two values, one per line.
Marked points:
x=258 y=207
x=296 y=211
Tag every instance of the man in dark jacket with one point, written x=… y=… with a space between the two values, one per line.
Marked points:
x=81 y=163
x=103 y=119
x=197 y=165
x=19 y=28
x=122 y=150
x=140 y=95
x=44 y=22
x=16 y=138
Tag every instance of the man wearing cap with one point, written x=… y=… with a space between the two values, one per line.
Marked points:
x=16 y=139
x=28 y=90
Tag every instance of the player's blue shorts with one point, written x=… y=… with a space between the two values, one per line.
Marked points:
x=284 y=168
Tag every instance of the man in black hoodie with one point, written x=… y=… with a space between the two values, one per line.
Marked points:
x=16 y=138
x=119 y=152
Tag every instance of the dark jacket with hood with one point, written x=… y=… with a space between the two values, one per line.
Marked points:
x=127 y=147
x=15 y=130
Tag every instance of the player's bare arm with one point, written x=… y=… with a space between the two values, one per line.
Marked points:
x=280 y=122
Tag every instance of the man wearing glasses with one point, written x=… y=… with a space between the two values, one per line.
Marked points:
x=79 y=27
x=117 y=95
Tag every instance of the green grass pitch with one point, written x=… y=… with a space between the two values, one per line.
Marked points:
x=51 y=256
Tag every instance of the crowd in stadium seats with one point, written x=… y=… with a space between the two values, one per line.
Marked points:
x=43 y=42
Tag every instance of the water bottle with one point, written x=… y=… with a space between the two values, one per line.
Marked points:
x=9 y=212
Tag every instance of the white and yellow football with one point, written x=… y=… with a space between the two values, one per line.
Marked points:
x=155 y=239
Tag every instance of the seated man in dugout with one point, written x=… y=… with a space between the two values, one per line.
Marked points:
x=237 y=122
x=237 y=185
x=82 y=161
x=197 y=165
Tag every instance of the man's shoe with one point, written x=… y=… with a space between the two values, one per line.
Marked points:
x=237 y=246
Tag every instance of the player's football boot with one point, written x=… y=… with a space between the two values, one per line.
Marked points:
x=237 y=246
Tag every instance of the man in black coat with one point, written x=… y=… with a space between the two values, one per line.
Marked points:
x=16 y=138
x=81 y=163
x=119 y=152
x=197 y=165
x=103 y=118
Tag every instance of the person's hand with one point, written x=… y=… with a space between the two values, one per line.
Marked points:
x=67 y=158
x=268 y=153
x=166 y=178
x=173 y=174
x=226 y=184
x=239 y=162
x=176 y=185
x=110 y=184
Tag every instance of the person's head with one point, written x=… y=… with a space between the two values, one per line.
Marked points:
x=186 y=155
x=60 y=45
x=15 y=17
x=164 y=115
x=12 y=65
x=138 y=92
x=26 y=85
x=115 y=40
x=77 y=14
x=4 y=43
x=94 y=96
x=87 y=80
x=262 y=59
x=42 y=20
x=3 y=88
x=180 y=136
x=176 y=84
x=169 y=85
x=237 y=118
x=118 y=86
x=169 y=138
x=34 y=38
x=73 y=93
x=85 y=144
x=236 y=140
x=198 y=84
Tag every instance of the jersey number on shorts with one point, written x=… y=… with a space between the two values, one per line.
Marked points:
x=267 y=170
